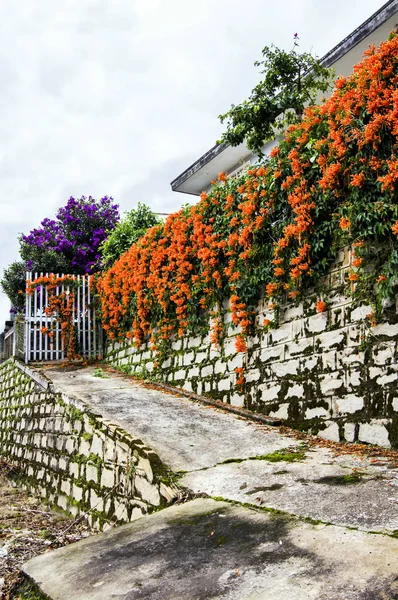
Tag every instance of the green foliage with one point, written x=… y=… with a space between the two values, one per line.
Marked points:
x=130 y=228
x=99 y=372
x=13 y=284
x=291 y=81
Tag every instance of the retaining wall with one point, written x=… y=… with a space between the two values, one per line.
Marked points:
x=74 y=458
x=329 y=374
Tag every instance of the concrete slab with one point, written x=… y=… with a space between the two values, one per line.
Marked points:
x=207 y=550
x=341 y=490
x=186 y=435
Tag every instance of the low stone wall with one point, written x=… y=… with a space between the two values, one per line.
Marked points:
x=329 y=373
x=74 y=458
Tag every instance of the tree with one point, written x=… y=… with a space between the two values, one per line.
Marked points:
x=291 y=82
x=127 y=232
x=13 y=284
x=67 y=244
x=70 y=243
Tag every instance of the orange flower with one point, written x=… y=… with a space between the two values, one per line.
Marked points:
x=394 y=228
x=381 y=278
x=320 y=306
x=345 y=223
x=357 y=262
x=240 y=344
x=222 y=177
x=358 y=179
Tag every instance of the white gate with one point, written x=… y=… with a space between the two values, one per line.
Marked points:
x=44 y=339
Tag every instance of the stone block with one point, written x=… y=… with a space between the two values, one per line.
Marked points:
x=181 y=374
x=252 y=375
x=349 y=432
x=97 y=445
x=92 y=473
x=62 y=502
x=385 y=329
x=219 y=367
x=237 y=400
x=386 y=379
x=148 y=491
x=330 y=433
x=348 y=404
x=282 y=334
x=66 y=487
x=317 y=323
x=281 y=412
x=295 y=391
x=308 y=362
x=272 y=353
x=303 y=346
x=360 y=312
x=330 y=383
x=107 y=478
x=383 y=354
x=331 y=339
x=121 y=513
x=193 y=372
x=189 y=358
x=318 y=412
x=374 y=432
x=144 y=469
x=206 y=371
x=169 y=493
x=287 y=367
x=223 y=385
x=291 y=312
x=329 y=360
x=375 y=372
x=235 y=363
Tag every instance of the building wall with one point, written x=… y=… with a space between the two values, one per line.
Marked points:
x=329 y=374
x=72 y=457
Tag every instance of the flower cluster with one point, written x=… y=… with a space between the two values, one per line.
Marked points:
x=332 y=181
x=70 y=243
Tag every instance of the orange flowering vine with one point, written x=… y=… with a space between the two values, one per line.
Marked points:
x=276 y=229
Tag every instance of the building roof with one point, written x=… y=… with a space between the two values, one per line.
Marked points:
x=222 y=157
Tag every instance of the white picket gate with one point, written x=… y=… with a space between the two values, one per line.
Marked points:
x=39 y=346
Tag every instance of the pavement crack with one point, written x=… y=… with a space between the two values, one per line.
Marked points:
x=301 y=518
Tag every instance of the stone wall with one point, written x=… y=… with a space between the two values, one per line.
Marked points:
x=329 y=374
x=72 y=457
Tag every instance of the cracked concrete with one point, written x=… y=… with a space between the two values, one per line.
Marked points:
x=212 y=549
x=186 y=435
x=206 y=549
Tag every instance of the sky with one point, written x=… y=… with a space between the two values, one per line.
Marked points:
x=118 y=97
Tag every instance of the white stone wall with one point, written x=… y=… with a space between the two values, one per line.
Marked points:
x=73 y=457
x=329 y=373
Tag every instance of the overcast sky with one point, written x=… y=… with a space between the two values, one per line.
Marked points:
x=118 y=97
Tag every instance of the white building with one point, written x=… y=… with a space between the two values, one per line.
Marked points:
x=229 y=159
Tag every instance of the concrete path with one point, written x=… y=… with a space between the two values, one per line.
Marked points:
x=186 y=435
x=318 y=541
x=212 y=449
x=206 y=549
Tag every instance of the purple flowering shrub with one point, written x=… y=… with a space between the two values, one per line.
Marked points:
x=70 y=243
x=67 y=244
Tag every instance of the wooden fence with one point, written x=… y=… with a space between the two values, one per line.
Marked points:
x=39 y=346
